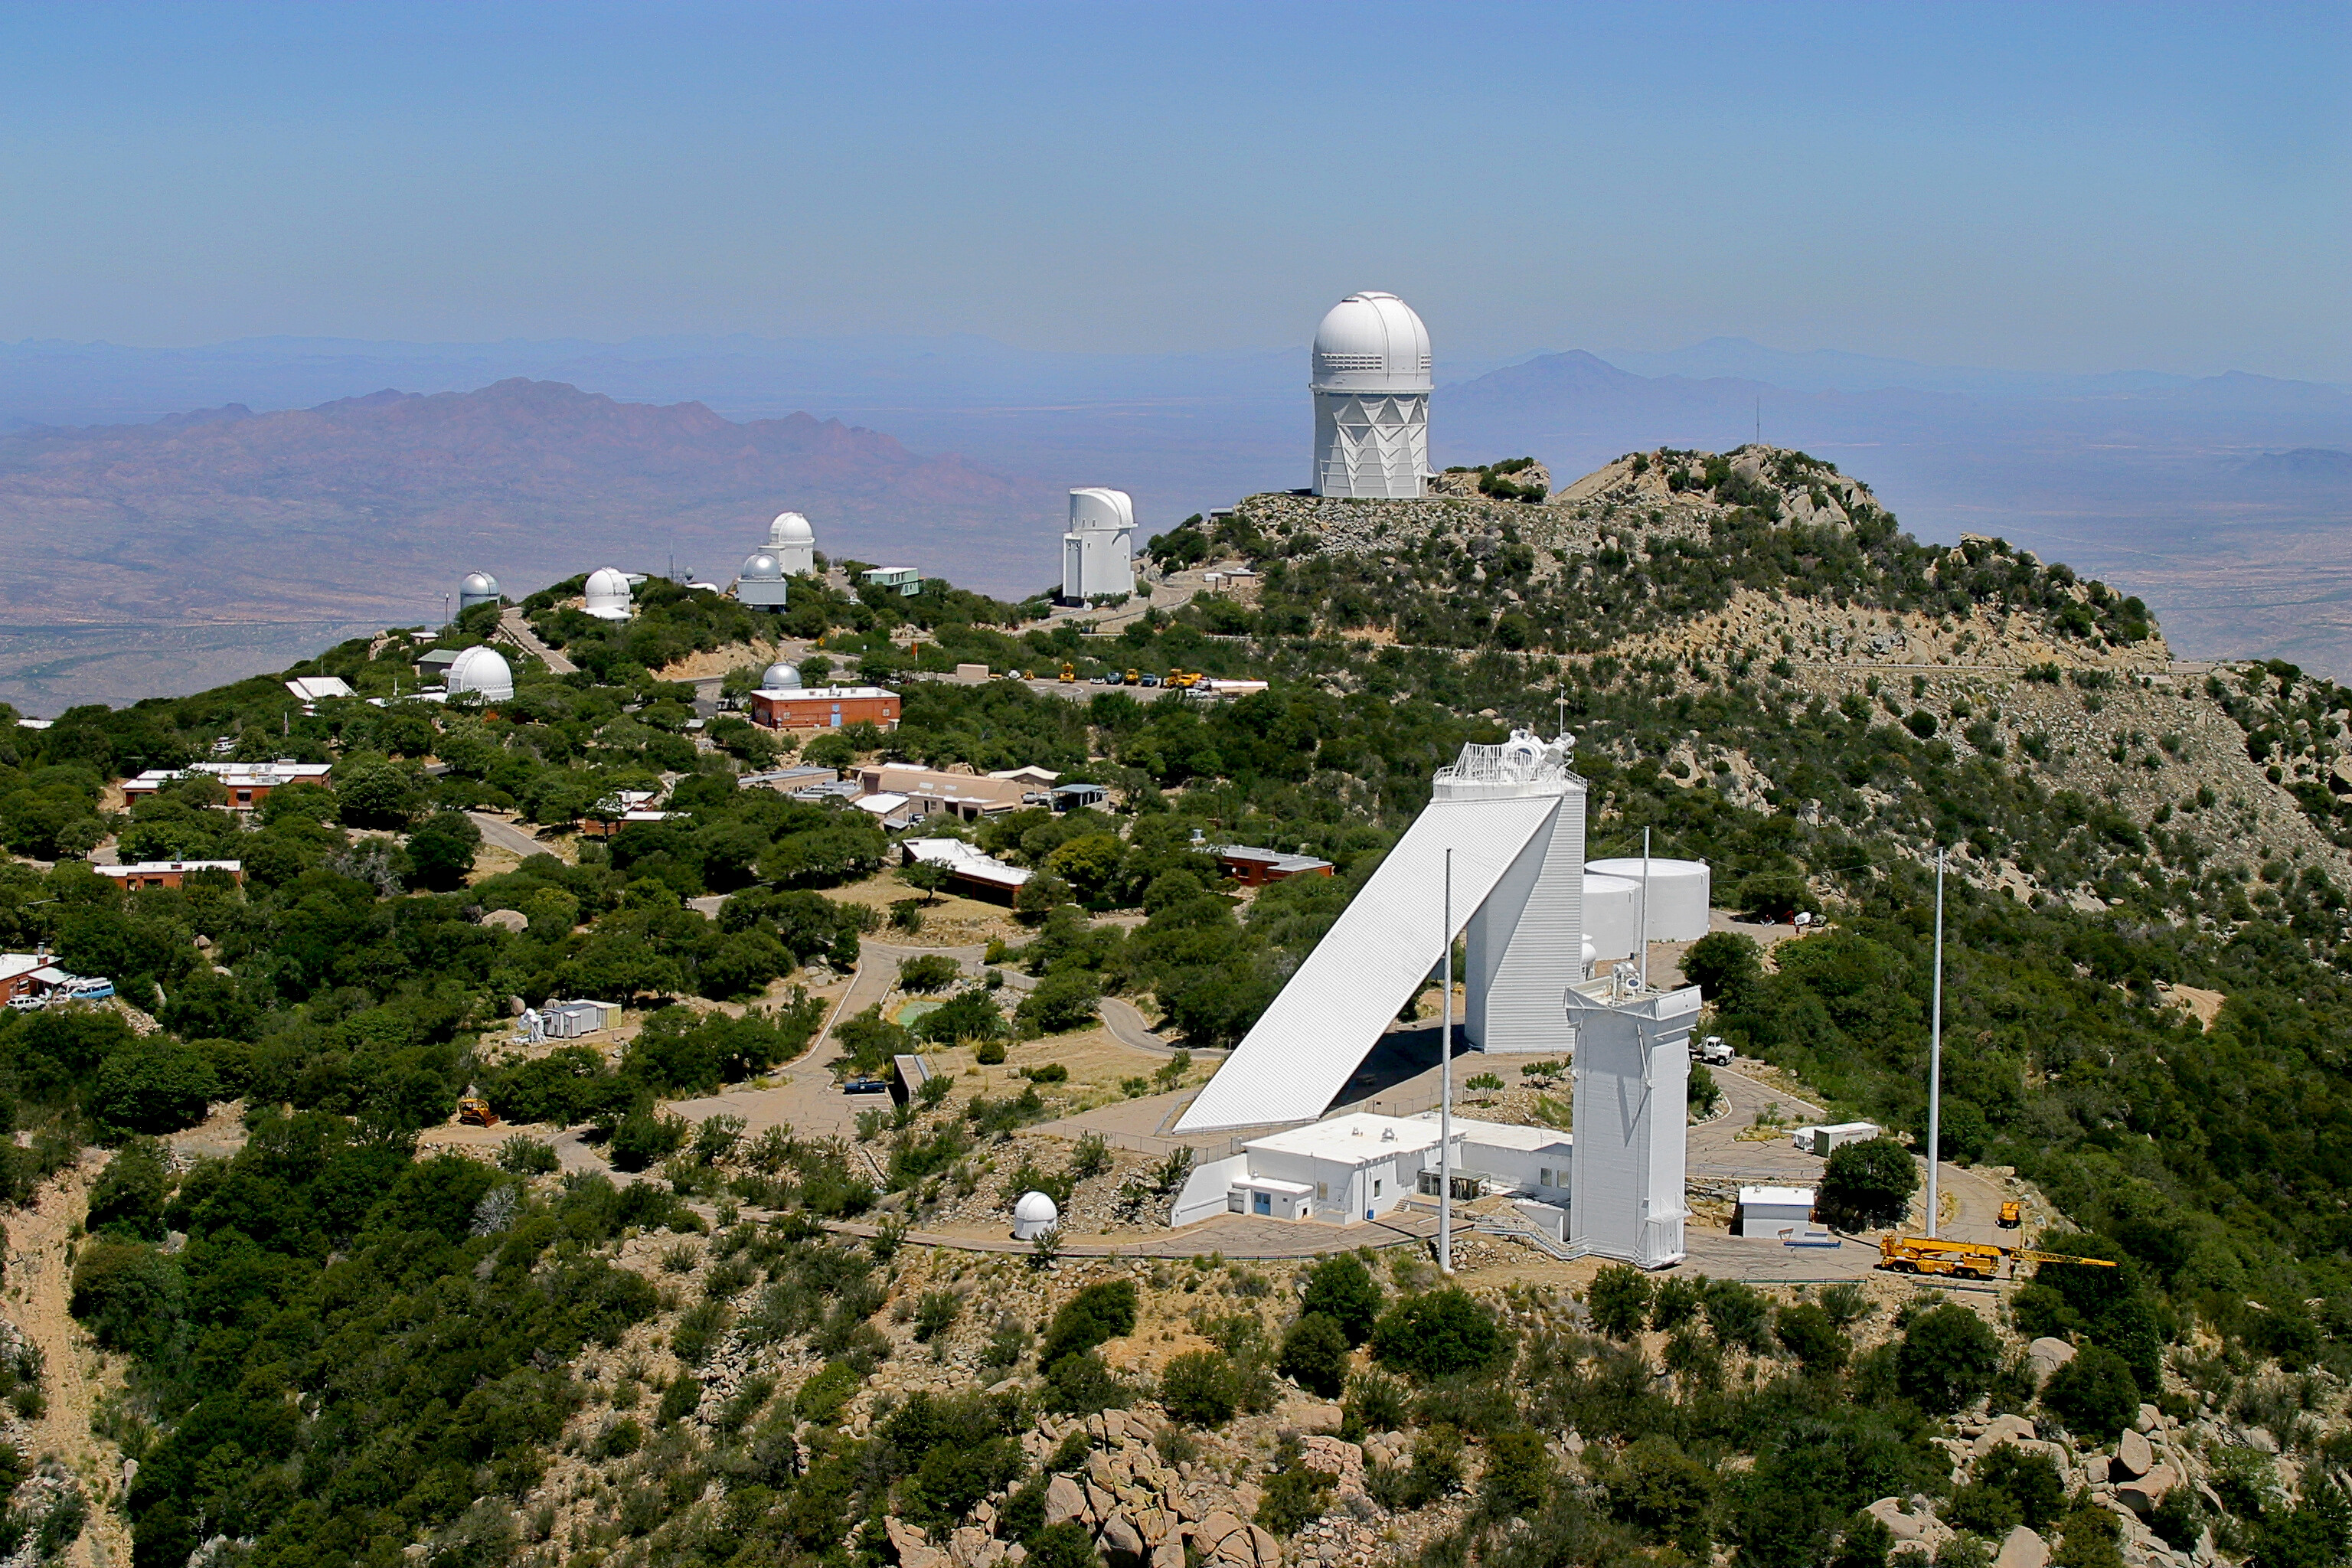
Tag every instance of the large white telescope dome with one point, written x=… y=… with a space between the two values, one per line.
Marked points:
x=483 y=671
x=791 y=528
x=607 y=593
x=477 y=588
x=1372 y=341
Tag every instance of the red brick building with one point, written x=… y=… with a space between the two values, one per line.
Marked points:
x=1255 y=868
x=823 y=707
x=168 y=873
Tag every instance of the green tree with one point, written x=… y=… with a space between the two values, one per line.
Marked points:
x=1619 y=1300
x=1341 y=1289
x=1812 y=1336
x=152 y=1085
x=442 y=849
x=1725 y=966
x=1438 y=1334
x=1064 y=1000
x=1315 y=1354
x=371 y=791
x=1200 y=1389
x=2095 y=1394
x=1946 y=1359
x=1519 y=1478
x=1868 y=1183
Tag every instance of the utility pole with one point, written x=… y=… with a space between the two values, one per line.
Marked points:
x=1645 y=911
x=1446 y=1093
x=1935 y=1054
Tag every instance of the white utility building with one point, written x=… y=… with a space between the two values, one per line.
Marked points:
x=606 y=593
x=481 y=670
x=1099 y=551
x=1511 y=816
x=793 y=542
x=1679 y=893
x=1371 y=384
x=477 y=588
x=761 y=582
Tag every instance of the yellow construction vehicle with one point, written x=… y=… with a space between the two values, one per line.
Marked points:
x=1971 y=1259
x=1184 y=680
x=1135 y=677
x=1069 y=673
x=2012 y=1213
x=476 y=1112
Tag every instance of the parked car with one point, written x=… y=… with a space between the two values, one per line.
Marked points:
x=867 y=1086
x=81 y=989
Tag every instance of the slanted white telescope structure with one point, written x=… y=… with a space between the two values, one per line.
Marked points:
x=1512 y=815
x=1099 y=551
x=1371 y=380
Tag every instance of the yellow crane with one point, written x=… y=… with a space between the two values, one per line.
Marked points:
x=1974 y=1259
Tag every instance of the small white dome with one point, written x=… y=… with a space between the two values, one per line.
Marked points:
x=759 y=567
x=1372 y=341
x=1034 y=1215
x=484 y=670
x=480 y=583
x=791 y=528
x=779 y=678
x=607 y=593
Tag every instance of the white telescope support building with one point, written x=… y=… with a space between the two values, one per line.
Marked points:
x=1098 y=553
x=1513 y=817
x=1371 y=386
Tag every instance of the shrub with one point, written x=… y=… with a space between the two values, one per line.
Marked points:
x=1946 y=1358
x=1619 y=1300
x=1294 y=1499
x=989 y=1053
x=1439 y=1334
x=1342 y=1289
x=2095 y=1394
x=931 y=971
x=1518 y=1473
x=1315 y=1354
x=1063 y=1545
x=822 y=1398
x=640 y=1138
x=1809 y=1334
x=2030 y=1481
x=1200 y=1389
x=128 y=1200
x=1376 y=1403
x=1081 y=1385
x=1868 y=1183
x=1099 y=1312
x=1736 y=1314
x=936 y=1314
x=523 y=1155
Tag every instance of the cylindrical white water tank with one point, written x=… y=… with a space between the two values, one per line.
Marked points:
x=1034 y=1215
x=1612 y=915
x=1678 y=893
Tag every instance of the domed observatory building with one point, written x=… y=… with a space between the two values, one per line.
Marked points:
x=483 y=671
x=793 y=542
x=1371 y=391
x=1098 y=553
x=606 y=593
x=477 y=588
x=761 y=582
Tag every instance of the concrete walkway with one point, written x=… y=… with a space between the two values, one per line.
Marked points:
x=516 y=630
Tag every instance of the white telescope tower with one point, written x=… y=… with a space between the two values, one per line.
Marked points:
x=1371 y=390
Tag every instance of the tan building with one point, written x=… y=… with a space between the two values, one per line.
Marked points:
x=823 y=707
x=968 y=796
x=167 y=873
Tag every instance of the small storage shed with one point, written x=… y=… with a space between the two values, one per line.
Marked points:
x=1765 y=1212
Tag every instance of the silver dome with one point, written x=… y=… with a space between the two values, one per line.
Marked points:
x=761 y=566
x=779 y=678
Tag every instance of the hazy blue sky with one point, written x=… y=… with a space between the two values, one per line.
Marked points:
x=2039 y=186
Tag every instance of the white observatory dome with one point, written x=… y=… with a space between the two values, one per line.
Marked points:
x=1034 y=1215
x=477 y=588
x=761 y=566
x=1372 y=341
x=791 y=528
x=779 y=678
x=607 y=593
x=483 y=671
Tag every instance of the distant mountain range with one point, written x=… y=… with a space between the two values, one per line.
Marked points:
x=2222 y=500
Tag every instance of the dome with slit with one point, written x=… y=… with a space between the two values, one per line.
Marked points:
x=1034 y=1215
x=791 y=528
x=1372 y=341
x=607 y=593
x=481 y=670
x=477 y=588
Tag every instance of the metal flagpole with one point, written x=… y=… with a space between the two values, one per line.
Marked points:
x=1935 y=1054
x=1445 y=1094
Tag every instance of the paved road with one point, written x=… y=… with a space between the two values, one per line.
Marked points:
x=1234 y=1235
x=507 y=835
x=518 y=631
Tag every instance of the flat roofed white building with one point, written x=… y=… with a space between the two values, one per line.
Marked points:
x=1352 y=1167
x=1532 y=1161
x=1765 y=1213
